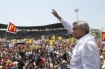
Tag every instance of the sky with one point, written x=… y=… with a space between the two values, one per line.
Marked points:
x=38 y=12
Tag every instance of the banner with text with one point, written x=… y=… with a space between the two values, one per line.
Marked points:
x=11 y=28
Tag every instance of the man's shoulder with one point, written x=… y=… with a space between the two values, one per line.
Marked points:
x=87 y=39
x=90 y=41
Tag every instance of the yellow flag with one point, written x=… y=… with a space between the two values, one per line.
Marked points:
x=14 y=40
x=25 y=39
x=51 y=42
x=59 y=38
x=53 y=37
x=30 y=41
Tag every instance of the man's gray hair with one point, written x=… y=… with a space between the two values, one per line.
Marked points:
x=83 y=24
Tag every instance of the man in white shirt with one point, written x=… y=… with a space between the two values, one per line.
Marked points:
x=85 y=54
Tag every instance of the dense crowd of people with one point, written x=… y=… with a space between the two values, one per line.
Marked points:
x=36 y=55
x=40 y=54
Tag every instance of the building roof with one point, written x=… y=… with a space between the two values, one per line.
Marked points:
x=50 y=26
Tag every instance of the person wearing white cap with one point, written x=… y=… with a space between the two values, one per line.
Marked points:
x=86 y=53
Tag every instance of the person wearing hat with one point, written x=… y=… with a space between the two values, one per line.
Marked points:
x=85 y=53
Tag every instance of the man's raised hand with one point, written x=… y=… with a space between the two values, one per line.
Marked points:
x=55 y=14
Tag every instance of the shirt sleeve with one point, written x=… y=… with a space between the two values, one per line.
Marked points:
x=66 y=25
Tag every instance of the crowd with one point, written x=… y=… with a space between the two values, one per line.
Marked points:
x=40 y=54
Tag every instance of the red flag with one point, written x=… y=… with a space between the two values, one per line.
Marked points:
x=103 y=36
x=11 y=28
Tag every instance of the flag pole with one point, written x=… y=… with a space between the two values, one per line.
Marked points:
x=5 y=36
x=6 y=33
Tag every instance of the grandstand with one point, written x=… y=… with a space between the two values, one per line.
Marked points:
x=35 y=31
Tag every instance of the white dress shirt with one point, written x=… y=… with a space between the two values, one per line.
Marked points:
x=85 y=54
